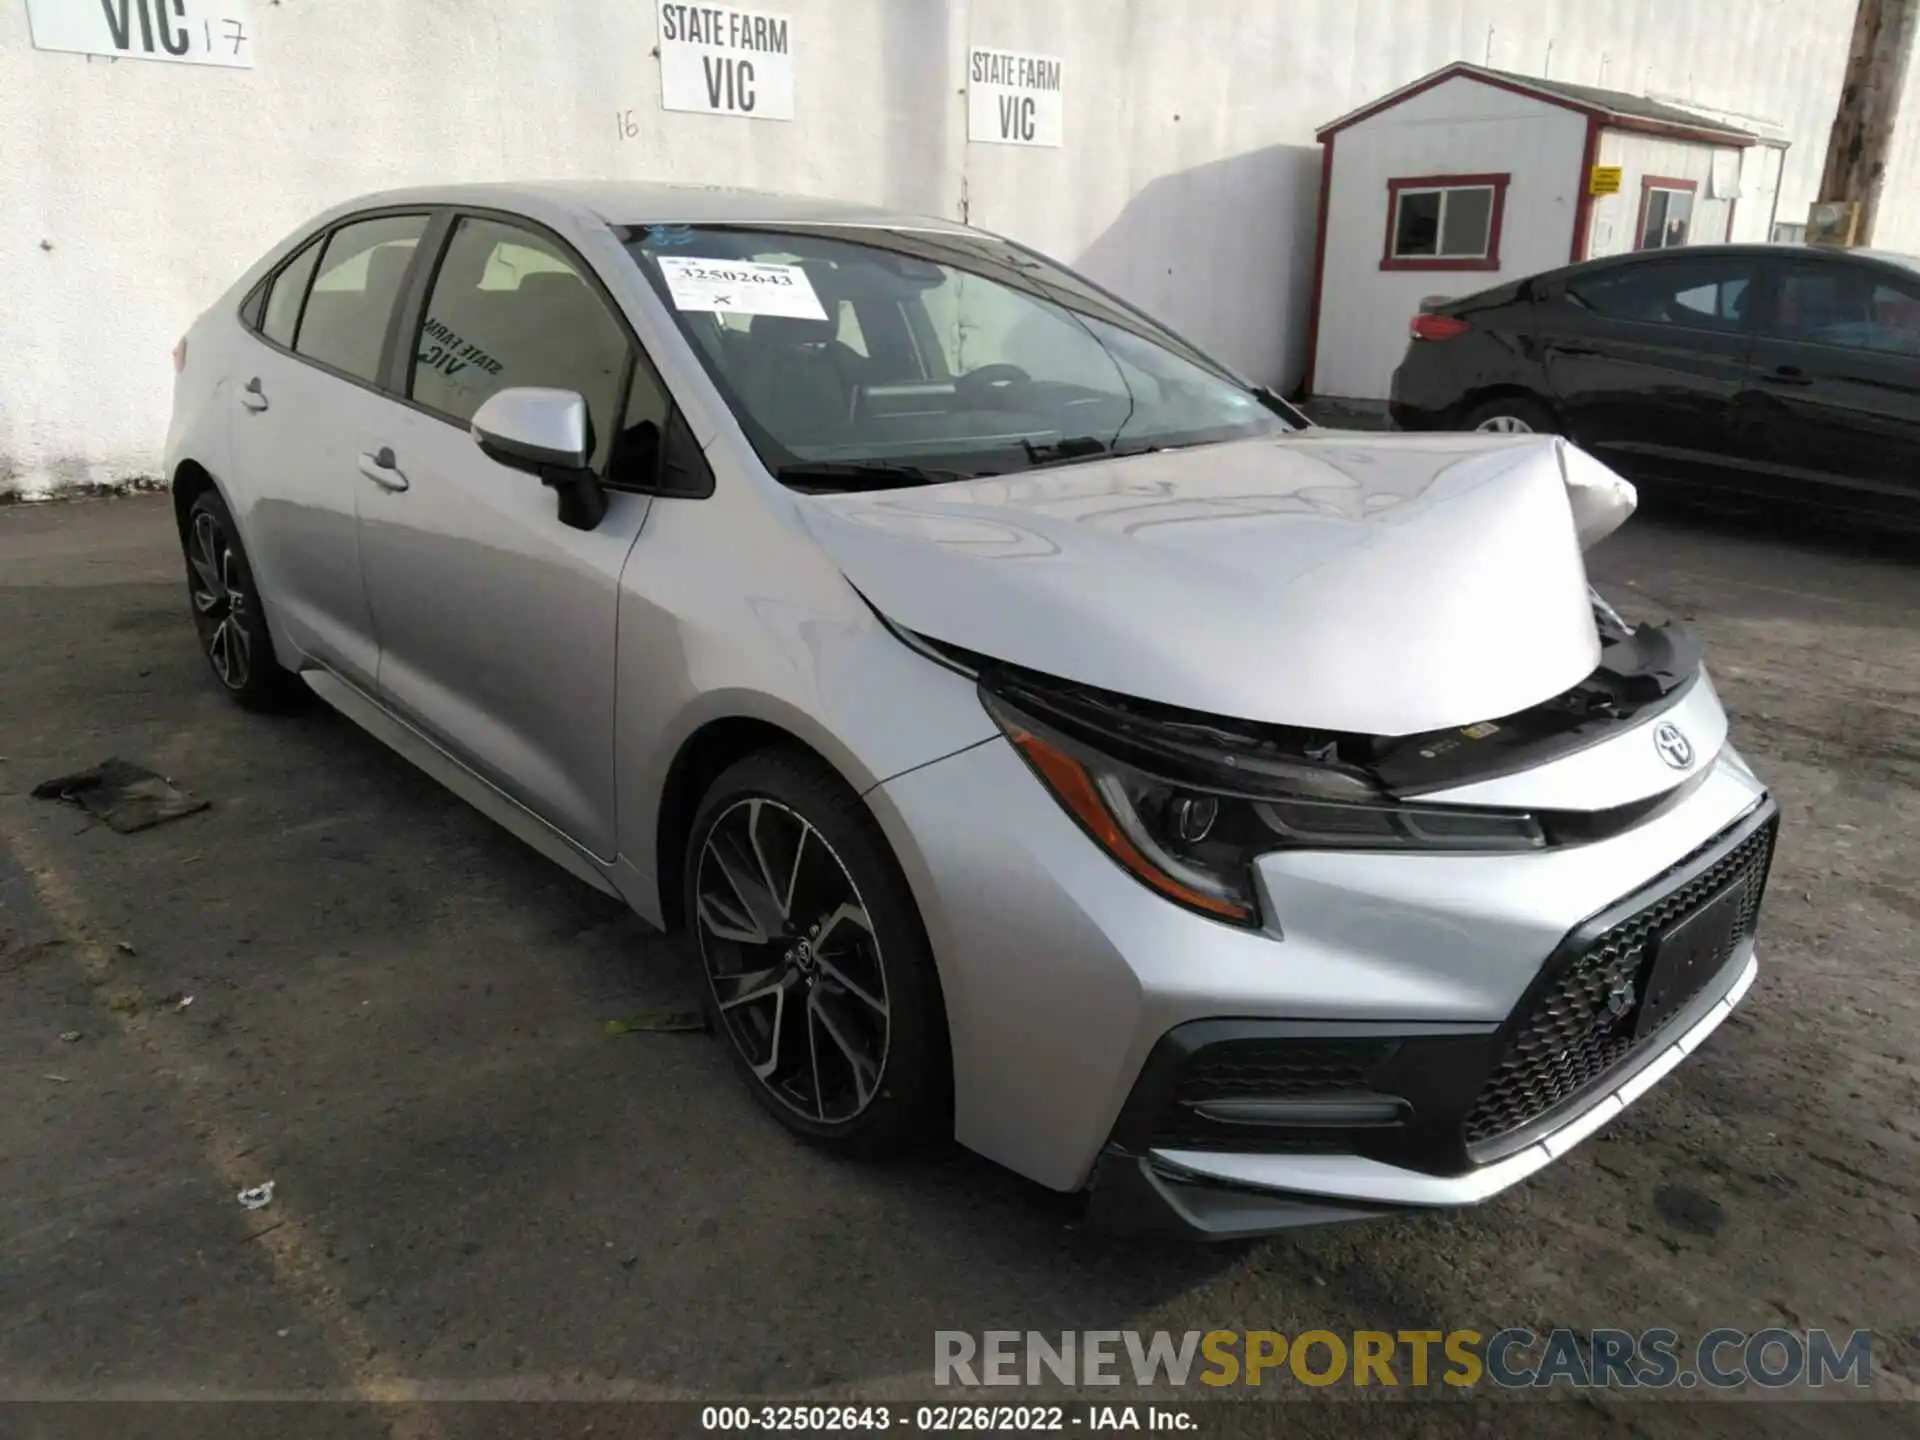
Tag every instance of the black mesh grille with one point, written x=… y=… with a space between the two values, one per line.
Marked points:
x=1281 y=1069
x=1568 y=1040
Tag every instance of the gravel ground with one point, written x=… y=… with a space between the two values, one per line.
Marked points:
x=342 y=979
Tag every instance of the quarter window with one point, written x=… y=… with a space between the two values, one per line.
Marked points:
x=1666 y=212
x=508 y=308
x=1444 y=222
x=1847 y=306
x=344 y=324
x=289 y=288
x=654 y=450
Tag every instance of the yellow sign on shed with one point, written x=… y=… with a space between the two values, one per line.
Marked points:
x=1605 y=180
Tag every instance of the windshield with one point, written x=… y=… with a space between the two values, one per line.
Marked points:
x=917 y=355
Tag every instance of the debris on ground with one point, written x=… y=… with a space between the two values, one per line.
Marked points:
x=59 y=1079
x=183 y=1002
x=125 y=947
x=659 y=1022
x=128 y=797
x=69 y=1036
x=257 y=1197
x=1689 y=1210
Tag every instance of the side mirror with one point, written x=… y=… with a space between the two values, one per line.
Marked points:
x=547 y=433
x=533 y=428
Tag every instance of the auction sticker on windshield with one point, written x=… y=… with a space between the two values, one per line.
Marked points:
x=744 y=287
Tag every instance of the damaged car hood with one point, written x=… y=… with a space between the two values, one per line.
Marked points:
x=1381 y=584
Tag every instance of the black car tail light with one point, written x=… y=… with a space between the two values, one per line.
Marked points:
x=1437 y=327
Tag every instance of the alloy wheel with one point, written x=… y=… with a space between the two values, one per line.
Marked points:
x=220 y=603
x=790 y=953
x=1505 y=425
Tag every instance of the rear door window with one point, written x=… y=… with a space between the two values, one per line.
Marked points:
x=344 y=324
x=1700 y=294
x=510 y=307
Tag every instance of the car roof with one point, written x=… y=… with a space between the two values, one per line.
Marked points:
x=1749 y=251
x=630 y=202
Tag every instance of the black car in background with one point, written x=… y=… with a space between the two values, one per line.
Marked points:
x=1767 y=374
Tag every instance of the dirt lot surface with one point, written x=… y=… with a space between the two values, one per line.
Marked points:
x=342 y=979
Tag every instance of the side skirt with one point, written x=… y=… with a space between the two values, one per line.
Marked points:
x=500 y=808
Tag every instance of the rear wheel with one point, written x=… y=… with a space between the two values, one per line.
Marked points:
x=1511 y=415
x=819 y=977
x=226 y=608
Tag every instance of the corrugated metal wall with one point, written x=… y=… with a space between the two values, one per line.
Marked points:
x=1898 y=224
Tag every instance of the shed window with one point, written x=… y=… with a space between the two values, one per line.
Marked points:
x=1666 y=212
x=1444 y=222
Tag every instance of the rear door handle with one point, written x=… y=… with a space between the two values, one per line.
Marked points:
x=1787 y=375
x=253 y=397
x=381 y=468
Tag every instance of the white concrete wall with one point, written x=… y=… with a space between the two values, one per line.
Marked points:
x=1188 y=180
x=1614 y=217
x=1459 y=127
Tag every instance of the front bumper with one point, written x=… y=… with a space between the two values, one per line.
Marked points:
x=1061 y=973
x=1231 y=1196
x=1237 y=1128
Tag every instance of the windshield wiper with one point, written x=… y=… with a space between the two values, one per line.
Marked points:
x=1282 y=407
x=861 y=475
x=1070 y=447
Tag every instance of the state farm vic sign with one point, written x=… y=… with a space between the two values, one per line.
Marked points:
x=1014 y=98
x=717 y=60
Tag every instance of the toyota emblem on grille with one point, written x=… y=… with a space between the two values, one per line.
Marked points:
x=1673 y=745
x=1620 y=999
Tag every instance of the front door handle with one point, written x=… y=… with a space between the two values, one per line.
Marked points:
x=381 y=468
x=1787 y=375
x=253 y=397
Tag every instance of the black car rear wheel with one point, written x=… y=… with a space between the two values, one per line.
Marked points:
x=1511 y=415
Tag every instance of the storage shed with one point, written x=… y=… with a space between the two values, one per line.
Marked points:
x=1471 y=176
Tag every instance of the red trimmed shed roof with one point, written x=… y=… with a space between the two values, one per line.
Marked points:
x=1615 y=108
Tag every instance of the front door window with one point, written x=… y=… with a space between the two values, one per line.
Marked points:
x=509 y=308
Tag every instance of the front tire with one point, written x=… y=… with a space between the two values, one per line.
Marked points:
x=227 y=613
x=818 y=975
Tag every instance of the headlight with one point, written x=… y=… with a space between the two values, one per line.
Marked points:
x=1194 y=838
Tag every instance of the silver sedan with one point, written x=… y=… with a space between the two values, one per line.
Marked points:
x=1050 y=739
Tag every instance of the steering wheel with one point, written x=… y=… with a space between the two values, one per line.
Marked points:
x=988 y=380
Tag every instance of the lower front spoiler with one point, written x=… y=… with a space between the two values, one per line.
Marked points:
x=1209 y=1196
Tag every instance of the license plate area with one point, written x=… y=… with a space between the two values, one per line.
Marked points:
x=1686 y=957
